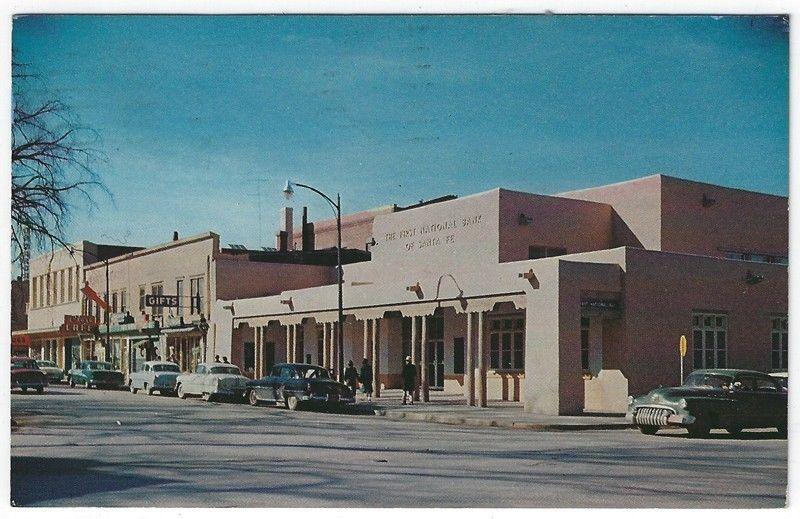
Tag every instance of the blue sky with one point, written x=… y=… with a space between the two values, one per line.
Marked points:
x=202 y=119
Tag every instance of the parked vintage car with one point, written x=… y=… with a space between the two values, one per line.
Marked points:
x=782 y=377
x=211 y=380
x=732 y=399
x=50 y=370
x=294 y=385
x=96 y=373
x=25 y=375
x=155 y=375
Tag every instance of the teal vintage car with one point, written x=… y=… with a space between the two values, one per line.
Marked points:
x=732 y=399
x=97 y=374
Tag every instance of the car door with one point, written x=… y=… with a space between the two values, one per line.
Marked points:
x=286 y=375
x=748 y=413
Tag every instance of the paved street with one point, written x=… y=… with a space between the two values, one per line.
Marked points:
x=109 y=448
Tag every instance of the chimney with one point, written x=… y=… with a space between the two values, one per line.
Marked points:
x=307 y=232
x=174 y=235
x=283 y=239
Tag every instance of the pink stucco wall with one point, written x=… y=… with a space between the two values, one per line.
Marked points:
x=732 y=219
x=242 y=279
x=575 y=225
x=356 y=230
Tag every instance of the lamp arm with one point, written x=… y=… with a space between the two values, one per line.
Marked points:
x=334 y=205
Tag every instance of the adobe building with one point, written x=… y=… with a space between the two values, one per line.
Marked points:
x=567 y=303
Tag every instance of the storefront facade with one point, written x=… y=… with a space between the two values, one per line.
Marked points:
x=566 y=303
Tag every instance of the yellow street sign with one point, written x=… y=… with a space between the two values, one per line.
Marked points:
x=683 y=346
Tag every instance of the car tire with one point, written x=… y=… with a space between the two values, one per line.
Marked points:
x=252 y=398
x=148 y=389
x=207 y=397
x=40 y=390
x=181 y=392
x=71 y=382
x=648 y=429
x=699 y=429
x=131 y=388
x=24 y=389
x=87 y=385
x=734 y=430
x=292 y=403
x=783 y=431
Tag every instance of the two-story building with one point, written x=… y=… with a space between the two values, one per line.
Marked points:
x=567 y=302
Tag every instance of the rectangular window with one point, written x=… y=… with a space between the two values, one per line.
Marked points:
x=458 y=355
x=780 y=343
x=320 y=343
x=585 y=343
x=157 y=290
x=123 y=301
x=141 y=298
x=405 y=338
x=113 y=302
x=249 y=356
x=710 y=340
x=507 y=343
x=49 y=289
x=196 y=292
x=70 y=289
x=179 y=293
x=33 y=292
x=539 y=251
x=61 y=291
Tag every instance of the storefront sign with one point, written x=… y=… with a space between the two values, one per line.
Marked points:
x=79 y=324
x=161 y=301
x=600 y=304
x=20 y=341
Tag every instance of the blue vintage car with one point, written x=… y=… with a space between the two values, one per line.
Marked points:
x=297 y=385
x=93 y=373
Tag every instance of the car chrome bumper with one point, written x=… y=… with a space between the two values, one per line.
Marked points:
x=227 y=392
x=28 y=385
x=325 y=400
x=657 y=415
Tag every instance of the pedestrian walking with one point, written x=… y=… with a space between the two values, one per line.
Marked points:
x=366 y=379
x=351 y=377
x=225 y=360
x=409 y=381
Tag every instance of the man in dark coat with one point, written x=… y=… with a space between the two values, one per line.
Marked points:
x=409 y=381
x=351 y=377
x=366 y=379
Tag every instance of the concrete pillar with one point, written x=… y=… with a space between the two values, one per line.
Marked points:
x=376 y=360
x=482 y=398
x=415 y=354
x=325 y=347
x=469 y=375
x=366 y=341
x=289 y=343
x=426 y=396
x=257 y=351
x=30 y=352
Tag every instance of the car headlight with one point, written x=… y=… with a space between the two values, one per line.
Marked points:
x=630 y=399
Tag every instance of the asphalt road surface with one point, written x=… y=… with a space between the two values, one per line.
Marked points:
x=75 y=447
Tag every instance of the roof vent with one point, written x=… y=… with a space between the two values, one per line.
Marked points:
x=174 y=235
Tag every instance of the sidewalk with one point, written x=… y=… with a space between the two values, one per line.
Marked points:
x=451 y=409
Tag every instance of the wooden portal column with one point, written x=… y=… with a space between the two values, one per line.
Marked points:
x=415 y=355
x=289 y=343
x=426 y=395
x=257 y=351
x=376 y=361
x=366 y=341
x=482 y=400
x=469 y=377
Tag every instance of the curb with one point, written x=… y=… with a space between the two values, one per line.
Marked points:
x=504 y=424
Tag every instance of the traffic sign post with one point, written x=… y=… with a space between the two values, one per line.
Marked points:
x=682 y=351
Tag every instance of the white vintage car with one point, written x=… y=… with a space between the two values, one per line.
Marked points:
x=49 y=368
x=211 y=380
x=155 y=375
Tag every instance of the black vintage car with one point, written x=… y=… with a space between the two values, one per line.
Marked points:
x=295 y=385
x=732 y=399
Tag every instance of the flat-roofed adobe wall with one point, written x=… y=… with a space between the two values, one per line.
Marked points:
x=706 y=219
x=537 y=220
x=244 y=279
x=662 y=291
x=446 y=236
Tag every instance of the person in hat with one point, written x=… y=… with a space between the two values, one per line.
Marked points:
x=409 y=381
x=366 y=379
x=351 y=377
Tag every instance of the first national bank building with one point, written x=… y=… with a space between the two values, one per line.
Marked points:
x=567 y=303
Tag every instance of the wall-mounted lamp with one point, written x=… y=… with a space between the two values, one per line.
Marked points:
x=231 y=308
x=370 y=243
x=531 y=277
x=524 y=219
x=753 y=279
x=707 y=201
x=288 y=302
x=416 y=289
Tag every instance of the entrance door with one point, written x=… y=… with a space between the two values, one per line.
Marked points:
x=270 y=357
x=436 y=364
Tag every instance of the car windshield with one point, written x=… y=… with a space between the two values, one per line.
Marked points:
x=166 y=367
x=99 y=366
x=227 y=370
x=24 y=364
x=313 y=373
x=46 y=363
x=707 y=380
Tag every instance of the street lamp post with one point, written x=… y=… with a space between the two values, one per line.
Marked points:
x=288 y=191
